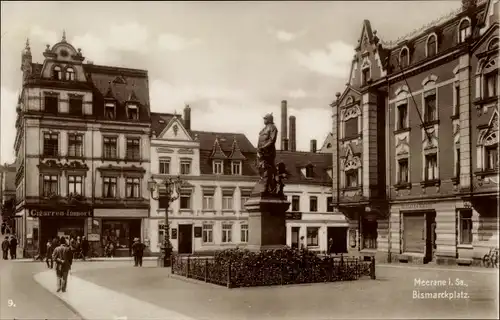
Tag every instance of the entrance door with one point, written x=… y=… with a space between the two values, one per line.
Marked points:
x=185 y=238
x=430 y=237
x=339 y=237
x=295 y=237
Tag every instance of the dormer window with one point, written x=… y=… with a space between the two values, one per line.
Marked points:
x=109 y=110
x=70 y=74
x=309 y=171
x=464 y=30
x=217 y=167
x=56 y=73
x=404 y=58
x=431 y=45
x=132 y=112
x=236 y=167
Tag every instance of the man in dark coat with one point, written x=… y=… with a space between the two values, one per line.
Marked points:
x=85 y=247
x=5 y=248
x=138 y=252
x=63 y=256
x=13 y=247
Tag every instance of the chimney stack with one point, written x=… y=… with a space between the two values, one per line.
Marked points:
x=284 y=128
x=187 y=117
x=313 y=145
x=291 y=140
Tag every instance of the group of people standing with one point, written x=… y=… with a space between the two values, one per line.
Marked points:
x=9 y=244
x=79 y=248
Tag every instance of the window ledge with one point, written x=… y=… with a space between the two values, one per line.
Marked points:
x=465 y=246
x=111 y=159
x=186 y=210
x=429 y=123
x=402 y=185
x=358 y=136
x=228 y=211
x=429 y=183
x=401 y=130
x=352 y=188
x=483 y=100
x=205 y=210
x=455 y=117
x=455 y=180
x=487 y=172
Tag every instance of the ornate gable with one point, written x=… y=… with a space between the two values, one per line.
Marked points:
x=175 y=131
x=109 y=93
x=489 y=135
x=217 y=153
x=236 y=152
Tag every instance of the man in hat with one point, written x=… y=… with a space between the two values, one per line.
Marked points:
x=138 y=252
x=266 y=152
x=63 y=256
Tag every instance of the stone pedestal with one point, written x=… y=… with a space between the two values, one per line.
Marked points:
x=266 y=222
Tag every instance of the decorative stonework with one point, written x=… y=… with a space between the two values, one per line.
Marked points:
x=351 y=112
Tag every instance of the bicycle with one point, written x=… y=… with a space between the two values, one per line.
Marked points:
x=491 y=258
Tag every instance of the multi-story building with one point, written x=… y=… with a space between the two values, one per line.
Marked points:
x=417 y=131
x=82 y=150
x=7 y=189
x=219 y=172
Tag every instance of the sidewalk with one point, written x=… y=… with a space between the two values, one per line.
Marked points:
x=94 y=259
x=92 y=301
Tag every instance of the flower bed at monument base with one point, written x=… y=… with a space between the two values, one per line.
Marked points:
x=242 y=268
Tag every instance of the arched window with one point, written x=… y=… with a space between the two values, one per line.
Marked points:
x=490 y=78
x=70 y=74
x=493 y=44
x=56 y=73
x=464 y=30
x=431 y=45
x=404 y=58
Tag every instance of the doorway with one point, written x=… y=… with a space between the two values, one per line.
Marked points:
x=339 y=237
x=295 y=237
x=430 y=237
x=185 y=239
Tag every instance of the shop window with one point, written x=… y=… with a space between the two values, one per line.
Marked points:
x=227 y=202
x=312 y=236
x=185 y=201
x=351 y=127
x=403 y=171
x=402 y=110
x=208 y=233
x=50 y=144
x=329 y=204
x=227 y=229
x=70 y=74
x=430 y=107
x=295 y=203
x=313 y=203
x=208 y=201
x=351 y=178
x=109 y=187
x=185 y=166
x=50 y=185
x=116 y=232
x=110 y=147
x=217 y=167
x=132 y=187
x=133 y=149
x=369 y=232
x=75 y=185
x=75 y=145
x=465 y=226
x=236 y=167
x=164 y=166
x=244 y=233
x=431 y=168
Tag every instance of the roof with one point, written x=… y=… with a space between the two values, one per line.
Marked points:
x=226 y=139
x=160 y=120
x=297 y=160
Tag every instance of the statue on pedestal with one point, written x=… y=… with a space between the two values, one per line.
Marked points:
x=271 y=176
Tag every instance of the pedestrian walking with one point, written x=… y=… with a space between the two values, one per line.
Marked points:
x=4 y=226
x=330 y=246
x=13 y=247
x=48 y=254
x=5 y=248
x=78 y=247
x=302 y=244
x=138 y=252
x=63 y=256
x=85 y=247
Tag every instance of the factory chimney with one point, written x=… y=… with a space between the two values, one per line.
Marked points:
x=284 y=127
x=187 y=117
x=292 y=142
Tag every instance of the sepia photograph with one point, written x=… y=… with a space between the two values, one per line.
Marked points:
x=249 y=160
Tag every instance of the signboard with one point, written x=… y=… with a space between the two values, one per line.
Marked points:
x=197 y=232
x=35 y=213
x=294 y=215
x=417 y=205
x=174 y=234
x=93 y=237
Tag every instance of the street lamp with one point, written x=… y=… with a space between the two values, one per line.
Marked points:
x=165 y=198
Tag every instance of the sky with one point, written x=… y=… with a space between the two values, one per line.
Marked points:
x=232 y=62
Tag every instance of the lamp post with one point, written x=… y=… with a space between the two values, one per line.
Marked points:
x=165 y=198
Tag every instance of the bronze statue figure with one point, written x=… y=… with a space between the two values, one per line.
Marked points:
x=266 y=154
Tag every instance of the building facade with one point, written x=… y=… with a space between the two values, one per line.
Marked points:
x=219 y=172
x=417 y=132
x=82 y=151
